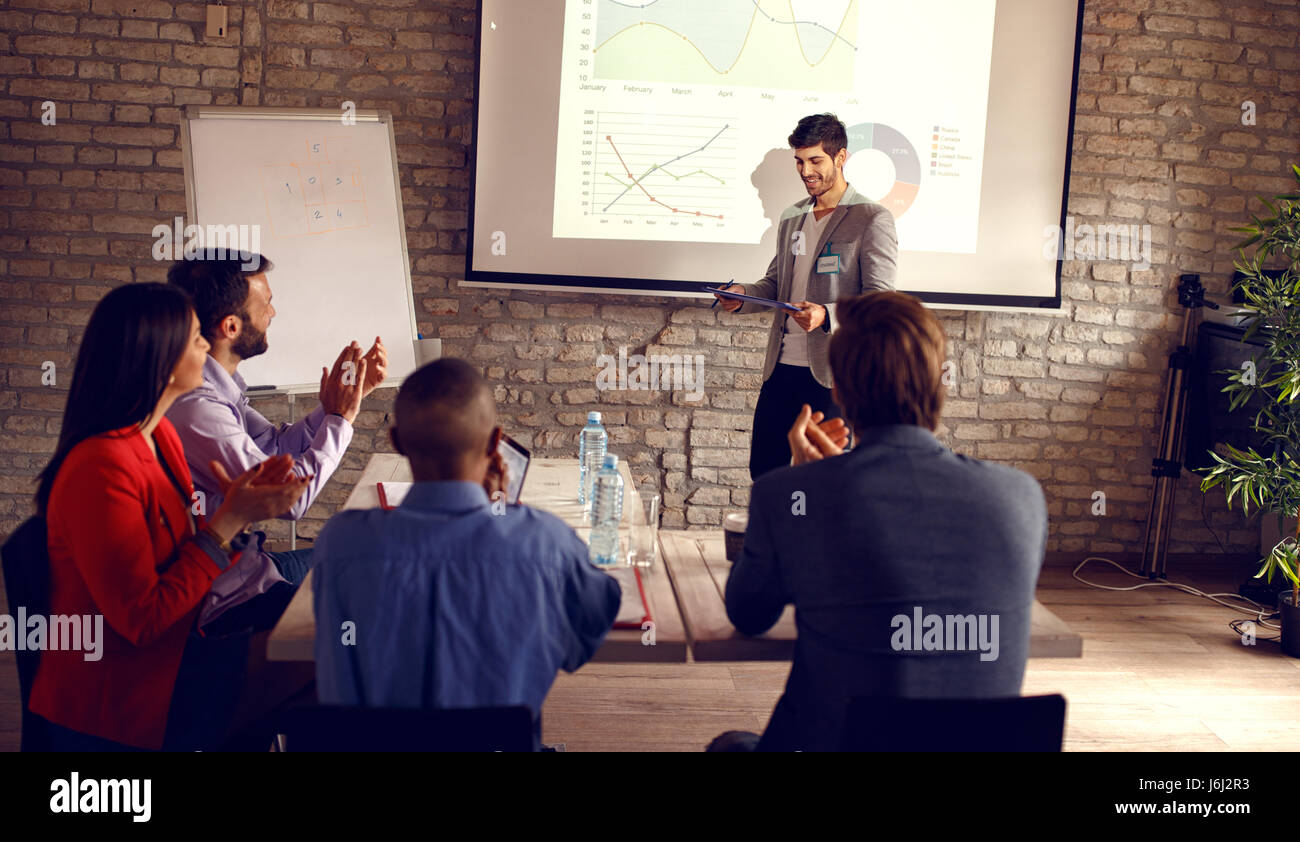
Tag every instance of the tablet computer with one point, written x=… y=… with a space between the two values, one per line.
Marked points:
x=516 y=457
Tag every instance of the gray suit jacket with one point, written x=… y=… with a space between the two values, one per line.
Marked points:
x=898 y=523
x=862 y=233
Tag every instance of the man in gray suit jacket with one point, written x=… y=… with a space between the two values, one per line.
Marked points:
x=911 y=569
x=832 y=245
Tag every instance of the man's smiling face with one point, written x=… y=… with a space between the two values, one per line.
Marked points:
x=820 y=171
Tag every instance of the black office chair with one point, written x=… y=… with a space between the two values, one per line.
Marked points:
x=26 y=561
x=341 y=728
x=1019 y=723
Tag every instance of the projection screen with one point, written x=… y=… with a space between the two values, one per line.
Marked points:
x=641 y=147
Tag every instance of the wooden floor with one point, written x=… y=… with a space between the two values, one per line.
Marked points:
x=1160 y=671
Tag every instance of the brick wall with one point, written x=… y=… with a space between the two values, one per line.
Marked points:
x=1074 y=400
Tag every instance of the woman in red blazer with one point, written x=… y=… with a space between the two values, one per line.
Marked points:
x=126 y=534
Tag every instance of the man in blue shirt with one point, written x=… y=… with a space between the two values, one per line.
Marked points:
x=450 y=601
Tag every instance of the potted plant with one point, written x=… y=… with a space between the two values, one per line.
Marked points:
x=1270 y=480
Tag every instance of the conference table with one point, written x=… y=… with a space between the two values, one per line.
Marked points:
x=696 y=561
x=550 y=485
x=683 y=590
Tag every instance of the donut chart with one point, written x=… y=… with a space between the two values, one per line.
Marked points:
x=907 y=166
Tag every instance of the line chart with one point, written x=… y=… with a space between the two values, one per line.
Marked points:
x=753 y=43
x=758 y=9
x=678 y=166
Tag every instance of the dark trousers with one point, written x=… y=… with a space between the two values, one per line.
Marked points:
x=213 y=670
x=215 y=665
x=779 y=402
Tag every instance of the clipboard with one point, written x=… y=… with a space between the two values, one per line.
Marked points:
x=762 y=302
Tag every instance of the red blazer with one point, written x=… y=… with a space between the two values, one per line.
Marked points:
x=109 y=547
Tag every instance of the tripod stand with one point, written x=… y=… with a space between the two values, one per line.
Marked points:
x=1167 y=465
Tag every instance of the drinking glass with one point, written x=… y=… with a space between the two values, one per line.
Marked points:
x=643 y=543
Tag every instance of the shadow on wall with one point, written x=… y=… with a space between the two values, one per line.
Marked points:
x=778 y=185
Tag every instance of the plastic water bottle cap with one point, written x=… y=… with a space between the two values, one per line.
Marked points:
x=593 y=417
x=611 y=461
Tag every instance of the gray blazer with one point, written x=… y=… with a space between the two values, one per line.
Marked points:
x=898 y=523
x=862 y=233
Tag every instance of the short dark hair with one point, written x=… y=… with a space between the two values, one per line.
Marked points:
x=444 y=410
x=218 y=286
x=887 y=356
x=825 y=129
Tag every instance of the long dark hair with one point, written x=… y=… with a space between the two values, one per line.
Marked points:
x=132 y=343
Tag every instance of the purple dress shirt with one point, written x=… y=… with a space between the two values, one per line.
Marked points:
x=216 y=423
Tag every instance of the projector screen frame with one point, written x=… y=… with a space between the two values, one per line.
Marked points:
x=478 y=278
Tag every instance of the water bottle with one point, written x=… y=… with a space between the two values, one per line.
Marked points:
x=606 y=512
x=592 y=442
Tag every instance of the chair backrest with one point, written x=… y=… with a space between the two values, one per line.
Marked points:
x=26 y=562
x=1019 y=723
x=341 y=728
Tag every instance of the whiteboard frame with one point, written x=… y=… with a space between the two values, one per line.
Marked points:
x=246 y=112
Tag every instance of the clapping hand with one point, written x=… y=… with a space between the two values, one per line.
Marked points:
x=376 y=366
x=812 y=438
x=342 y=387
x=266 y=490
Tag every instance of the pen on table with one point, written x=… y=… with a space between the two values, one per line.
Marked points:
x=716 y=299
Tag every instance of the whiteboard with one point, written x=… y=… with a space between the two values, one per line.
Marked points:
x=324 y=197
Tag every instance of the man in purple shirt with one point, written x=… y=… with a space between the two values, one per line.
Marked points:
x=232 y=298
x=215 y=422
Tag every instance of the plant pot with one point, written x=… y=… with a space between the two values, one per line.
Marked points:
x=1290 y=624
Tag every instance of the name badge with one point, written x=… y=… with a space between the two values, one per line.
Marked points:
x=828 y=264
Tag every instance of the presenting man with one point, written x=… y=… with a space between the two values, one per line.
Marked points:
x=834 y=244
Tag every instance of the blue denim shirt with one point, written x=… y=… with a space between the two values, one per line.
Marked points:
x=440 y=603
